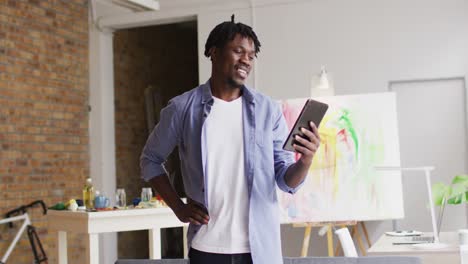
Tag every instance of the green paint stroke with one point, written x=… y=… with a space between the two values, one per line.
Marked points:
x=377 y=149
x=348 y=125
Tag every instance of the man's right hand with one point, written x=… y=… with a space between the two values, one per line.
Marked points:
x=193 y=212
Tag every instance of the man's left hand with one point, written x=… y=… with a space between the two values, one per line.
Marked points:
x=310 y=142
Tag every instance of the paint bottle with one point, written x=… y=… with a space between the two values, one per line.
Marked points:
x=88 y=194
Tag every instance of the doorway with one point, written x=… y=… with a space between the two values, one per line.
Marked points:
x=158 y=62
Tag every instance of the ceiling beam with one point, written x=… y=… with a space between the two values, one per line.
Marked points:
x=138 y=5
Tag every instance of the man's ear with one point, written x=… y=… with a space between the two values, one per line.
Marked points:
x=213 y=53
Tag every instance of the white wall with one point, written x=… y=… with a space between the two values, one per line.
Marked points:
x=365 y=43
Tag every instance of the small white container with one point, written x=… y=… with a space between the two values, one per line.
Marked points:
x=346 y=241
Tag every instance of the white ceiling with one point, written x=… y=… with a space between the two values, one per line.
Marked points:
x=110 y=8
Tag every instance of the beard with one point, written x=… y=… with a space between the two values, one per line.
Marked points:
x=234 y=83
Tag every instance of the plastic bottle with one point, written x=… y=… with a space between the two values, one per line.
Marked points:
x=146 y=194
x=88 y=194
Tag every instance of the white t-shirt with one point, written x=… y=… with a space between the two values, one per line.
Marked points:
x=227 y=196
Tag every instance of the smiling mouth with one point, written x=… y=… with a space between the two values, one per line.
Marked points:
x=242 y=72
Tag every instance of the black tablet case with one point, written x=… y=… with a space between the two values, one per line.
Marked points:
x=312 y=111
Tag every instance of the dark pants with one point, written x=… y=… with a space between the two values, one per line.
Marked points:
x=200 y=257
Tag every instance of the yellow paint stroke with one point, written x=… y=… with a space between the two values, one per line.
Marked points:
x=325 y=163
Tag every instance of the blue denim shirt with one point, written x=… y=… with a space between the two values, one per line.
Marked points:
x=266 y=162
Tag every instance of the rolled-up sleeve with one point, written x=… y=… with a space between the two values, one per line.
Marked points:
x=282 y=158
x=165 y=136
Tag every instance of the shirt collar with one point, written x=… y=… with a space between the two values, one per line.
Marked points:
x=206 y=93
x=208 y=97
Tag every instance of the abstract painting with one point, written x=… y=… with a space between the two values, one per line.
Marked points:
x=357 y=133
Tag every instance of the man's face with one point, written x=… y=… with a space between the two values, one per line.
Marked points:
x=235 y=60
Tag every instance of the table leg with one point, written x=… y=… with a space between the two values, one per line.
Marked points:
x=92 y=249
x=62 y=247
x=184 y=234
x=155 y=243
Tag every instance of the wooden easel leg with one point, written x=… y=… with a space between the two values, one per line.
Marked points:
x=337 y=249
x=330 y=240
x=364 y=229
x=305 y=243
x=355 y=234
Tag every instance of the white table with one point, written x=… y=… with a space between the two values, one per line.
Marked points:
x=92 y=224
x=449 y=255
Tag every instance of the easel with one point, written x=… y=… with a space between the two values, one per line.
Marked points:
x=330 y=225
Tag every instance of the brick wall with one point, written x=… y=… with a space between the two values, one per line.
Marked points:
x=43 y=113
x=161 y=56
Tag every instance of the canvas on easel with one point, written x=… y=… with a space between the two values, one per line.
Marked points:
x=357 y=133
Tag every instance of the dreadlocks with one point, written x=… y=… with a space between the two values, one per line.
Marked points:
x=226 y=31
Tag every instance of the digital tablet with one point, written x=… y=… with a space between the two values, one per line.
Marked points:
x=312 y=111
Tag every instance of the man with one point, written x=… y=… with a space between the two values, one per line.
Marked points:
x=230 y=144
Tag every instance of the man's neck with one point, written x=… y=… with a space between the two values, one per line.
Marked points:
x=224 y=91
